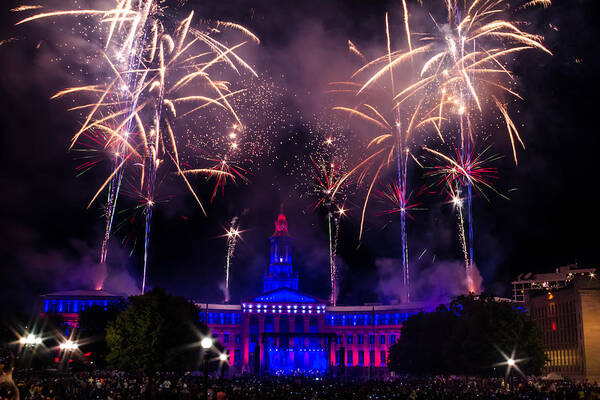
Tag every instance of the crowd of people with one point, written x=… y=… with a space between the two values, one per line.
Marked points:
x=28 y=384
x=119 y=385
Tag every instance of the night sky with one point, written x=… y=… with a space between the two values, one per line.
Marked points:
x=49 y=241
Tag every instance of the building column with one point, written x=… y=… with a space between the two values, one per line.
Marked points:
x=306 y=320
x=245 y=341
x=276 y=318
x=292 y=342
x=261 y=330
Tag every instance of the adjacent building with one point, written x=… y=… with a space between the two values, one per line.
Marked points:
x=70 y=303
x=547 y=281
x=569 y=317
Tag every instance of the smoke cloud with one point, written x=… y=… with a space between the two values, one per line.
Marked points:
x=438 y=283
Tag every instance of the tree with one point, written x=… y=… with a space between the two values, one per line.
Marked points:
x=156 y=332
x=93 y=322
x=467 y=338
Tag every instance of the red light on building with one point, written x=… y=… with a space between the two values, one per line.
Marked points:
x=553 y=325
x=56 y=359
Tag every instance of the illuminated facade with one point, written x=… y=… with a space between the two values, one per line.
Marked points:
x=70 y=303
x=282 y=330
x=285 y=331
x=569 y=318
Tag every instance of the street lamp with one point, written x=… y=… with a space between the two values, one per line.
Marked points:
x=206 y=343
x=30 y=340
x=67 y=348
x=68 y=345
x=510 y=362
x=224 y=359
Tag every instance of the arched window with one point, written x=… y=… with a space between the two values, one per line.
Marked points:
x=284 y=324
x=269 y=325
x=253 y=329
x=299 y=324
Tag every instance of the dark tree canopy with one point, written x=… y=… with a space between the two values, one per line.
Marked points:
x=93 y=322
x=157 y=332
x=466 y=339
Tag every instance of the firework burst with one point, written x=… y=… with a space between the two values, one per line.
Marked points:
x=452 y=76
x=156 y=75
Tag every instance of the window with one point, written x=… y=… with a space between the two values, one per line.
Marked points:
x=361 y=358
x=382 y=339
x=392 y=339
x=237 y=339
x=349 y=340
x=236 y=356
x=371 y=339
x=349 y=358
x=337 y=357
x=253 y=338
x=338 y=339
x=226 y=338
x=52 y=307
x=383 y=357
x=372 y=357
x=68 y=307
x=361 y=339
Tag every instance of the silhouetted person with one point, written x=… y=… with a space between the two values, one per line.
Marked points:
x=8 y=389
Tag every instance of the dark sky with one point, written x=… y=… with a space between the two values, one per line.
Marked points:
x=49 y=241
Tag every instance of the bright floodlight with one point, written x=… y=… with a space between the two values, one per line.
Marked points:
x=510 y=362
x=68 y=345
x=223 y=357
x=30 y=339
x=206 y=343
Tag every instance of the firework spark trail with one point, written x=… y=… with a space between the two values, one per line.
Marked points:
x=332 y=296
x=334 y=271
x=328 y=143
x=458 y=202
x=469 y=170
x=402 y=167
x=326 y=176
x=232 y=234
x=147 y=80
x=135 y=59
x=397 y=121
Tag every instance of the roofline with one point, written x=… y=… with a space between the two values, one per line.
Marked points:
x=251 y=299
x=384 y=307
x=80 y=297
x=211 y=306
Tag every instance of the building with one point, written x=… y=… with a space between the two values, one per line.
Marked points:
x=70 y=303
x=547 y=281
x=283 y=330
x=569 y=318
